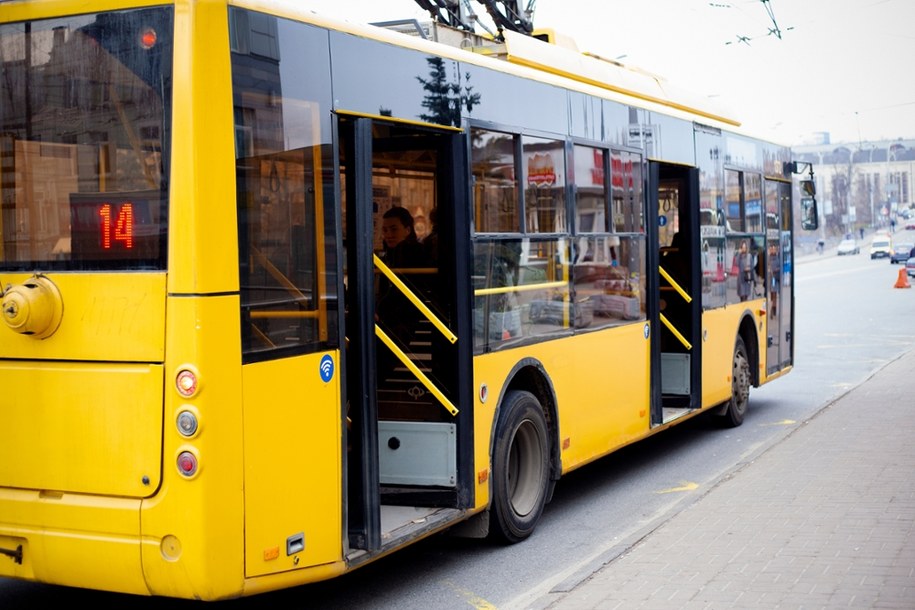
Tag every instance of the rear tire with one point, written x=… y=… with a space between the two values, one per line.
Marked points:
x=520 y=468
x=740 y=388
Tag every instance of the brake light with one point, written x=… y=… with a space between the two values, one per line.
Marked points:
x=186 y=383
x=187 y=463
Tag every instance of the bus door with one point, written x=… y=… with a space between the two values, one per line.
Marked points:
x=779 y=274
x=409 y=420
x=676 y=344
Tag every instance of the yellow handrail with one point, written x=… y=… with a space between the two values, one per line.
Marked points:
x=676 y=333
x=415 y=370
x=446 y=332
x=675 y=285
x=481 y=292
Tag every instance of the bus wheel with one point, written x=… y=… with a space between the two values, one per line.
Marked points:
x=520 y=465
x=740 y=388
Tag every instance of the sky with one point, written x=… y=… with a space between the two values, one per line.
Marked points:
x=842 y=67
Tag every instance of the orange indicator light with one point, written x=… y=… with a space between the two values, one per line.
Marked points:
x=148 y=38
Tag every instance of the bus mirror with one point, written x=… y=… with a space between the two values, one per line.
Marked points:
x=808 y=187
x=809 y=218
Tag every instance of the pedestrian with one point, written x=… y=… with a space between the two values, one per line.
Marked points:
x=743 y=268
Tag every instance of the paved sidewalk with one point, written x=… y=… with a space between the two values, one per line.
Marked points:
x=823 y=519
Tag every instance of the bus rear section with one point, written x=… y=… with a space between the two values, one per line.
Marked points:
x=83 y=158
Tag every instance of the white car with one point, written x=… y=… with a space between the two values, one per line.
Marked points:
x=881 y=247
x=848 y=246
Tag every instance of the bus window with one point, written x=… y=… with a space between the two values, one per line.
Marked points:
x=84 y=173
x=626 y=188
x=590 y=171
x=543 y=166
x=734 y=200
x=495 y=186
x=609 y=277
x=753 y=203
x=284 y=222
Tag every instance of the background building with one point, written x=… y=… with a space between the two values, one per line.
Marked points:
x=861 y=185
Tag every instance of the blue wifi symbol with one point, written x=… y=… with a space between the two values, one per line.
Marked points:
x=327 y=368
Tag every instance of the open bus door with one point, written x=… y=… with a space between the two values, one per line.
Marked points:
x=676 y=344
x=409 y=418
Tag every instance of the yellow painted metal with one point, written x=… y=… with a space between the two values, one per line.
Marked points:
x=203 y=232
x=480 y=292
x=719 y=332
x=200 y=520
x=76 y=540
x=28 y=9
x=106 y=317
x=81 y=427
x=423 y=379
x=301 y=466
x=601 y=382
x=675 y=285
x=676 y=333
x=438 y=324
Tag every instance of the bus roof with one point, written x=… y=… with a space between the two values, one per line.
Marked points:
x=550 y=55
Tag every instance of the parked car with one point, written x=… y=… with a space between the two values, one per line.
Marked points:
x=900 y=253
x=910 y=266
x=848 y=246
x=881 y=247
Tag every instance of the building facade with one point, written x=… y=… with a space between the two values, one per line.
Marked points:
x=862 y=185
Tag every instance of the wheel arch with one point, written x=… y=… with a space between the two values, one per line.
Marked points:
x=747 y=331
x=530 y=375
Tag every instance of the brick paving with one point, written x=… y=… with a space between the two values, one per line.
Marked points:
x=823 y=519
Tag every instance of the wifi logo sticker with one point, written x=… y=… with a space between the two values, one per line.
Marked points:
x=327 y=368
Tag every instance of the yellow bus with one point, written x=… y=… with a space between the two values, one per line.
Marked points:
x=206 y=391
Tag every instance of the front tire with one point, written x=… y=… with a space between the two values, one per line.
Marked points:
x=520 y=468
x=740 y=387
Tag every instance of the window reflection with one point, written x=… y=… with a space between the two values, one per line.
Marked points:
x=745 y=279
x=544 y=182
x=590 y=169
x=285 y=230
x=626 y=183
x=752 y=184
x=610 y=279
x=734 y=200
x=495 y=187
x=522 y=291
x=84 y=142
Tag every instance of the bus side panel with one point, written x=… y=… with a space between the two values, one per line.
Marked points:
x=719 y=331
x=193 y=528
x=72 y=540
x=292 y=464
x=604 y=392
x=603 y=396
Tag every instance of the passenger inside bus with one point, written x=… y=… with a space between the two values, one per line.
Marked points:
x=395 y=313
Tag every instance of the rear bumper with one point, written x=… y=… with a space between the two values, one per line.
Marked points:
x=72 y=540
